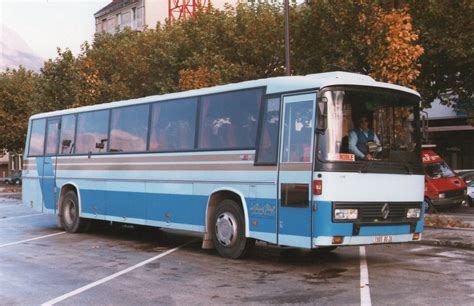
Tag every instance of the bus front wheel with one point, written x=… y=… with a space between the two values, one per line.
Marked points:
x=70 y=218
x=229 y=230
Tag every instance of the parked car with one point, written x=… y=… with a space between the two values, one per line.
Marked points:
x=443 y=188
x=470 y=193
x=466 y=175
x=14 y=179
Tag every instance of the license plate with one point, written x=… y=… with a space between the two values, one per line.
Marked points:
x=382 y=239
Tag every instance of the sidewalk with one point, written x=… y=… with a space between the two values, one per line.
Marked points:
x=462 y=238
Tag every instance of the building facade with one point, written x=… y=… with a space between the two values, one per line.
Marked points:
x=136 y=14
x=10 y=163
x=452 y=134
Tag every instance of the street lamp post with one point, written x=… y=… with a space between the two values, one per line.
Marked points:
x=287 y=37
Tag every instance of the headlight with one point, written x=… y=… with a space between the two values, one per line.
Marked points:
x=345 y=214
x=442 y=195
x=413 y=213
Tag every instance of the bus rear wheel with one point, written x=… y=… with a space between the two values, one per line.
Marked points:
x=70 y=218
x=229 y=230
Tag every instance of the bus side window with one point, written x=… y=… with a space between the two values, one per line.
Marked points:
x=38 y=129
x=229 y=120
x=173 y=125
x=68 y=128
x=129 y=128
x=92 y=132
x=267 y=150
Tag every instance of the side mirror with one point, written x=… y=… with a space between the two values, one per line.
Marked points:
x=322 y=115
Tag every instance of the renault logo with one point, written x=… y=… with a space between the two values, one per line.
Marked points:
x=385 y=211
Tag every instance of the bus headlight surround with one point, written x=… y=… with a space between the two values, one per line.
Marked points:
x=413 y=213
x=346 y=214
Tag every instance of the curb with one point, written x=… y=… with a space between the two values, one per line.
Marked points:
x=447 y=243
x=471 y=229
x=11 y=195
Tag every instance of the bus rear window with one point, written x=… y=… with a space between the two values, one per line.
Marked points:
x=37 y=137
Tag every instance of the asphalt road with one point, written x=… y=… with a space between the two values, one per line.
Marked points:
x=39 y=264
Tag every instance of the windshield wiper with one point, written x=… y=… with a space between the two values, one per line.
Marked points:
x=368 y=163
x=409 y=170
x=366 y=166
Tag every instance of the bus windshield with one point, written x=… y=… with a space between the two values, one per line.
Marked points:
x=370 y=125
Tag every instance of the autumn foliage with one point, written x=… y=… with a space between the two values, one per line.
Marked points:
x=393 y=50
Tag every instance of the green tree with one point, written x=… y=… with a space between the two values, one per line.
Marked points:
x=17 y=95
x=447 y=67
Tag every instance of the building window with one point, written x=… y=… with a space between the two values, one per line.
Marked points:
x=103 y=26
x=140 y=17
x=134 y=18
x=111 y=25
x=118 y=21
x=126 y=19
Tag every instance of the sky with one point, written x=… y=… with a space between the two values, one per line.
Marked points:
x=47 y=24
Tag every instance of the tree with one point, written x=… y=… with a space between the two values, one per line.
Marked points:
x=17 y=95
x=447 y=67
x=357 y=36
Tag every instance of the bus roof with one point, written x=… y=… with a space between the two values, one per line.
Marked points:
x=274 y=85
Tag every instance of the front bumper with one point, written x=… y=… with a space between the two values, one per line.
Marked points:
x=448 y=201
x=361 y=240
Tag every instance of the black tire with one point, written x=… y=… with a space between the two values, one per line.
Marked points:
x=324 y=249
x=70 y=218
x=229 y=230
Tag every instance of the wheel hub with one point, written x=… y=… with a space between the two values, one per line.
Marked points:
x=226 y=229
x=70 y=212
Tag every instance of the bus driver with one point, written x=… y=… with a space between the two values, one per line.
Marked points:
x=359 y=138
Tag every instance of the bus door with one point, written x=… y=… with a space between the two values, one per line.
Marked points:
x=48 y=175
x=295 y=170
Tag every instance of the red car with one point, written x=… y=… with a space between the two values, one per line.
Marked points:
x=443 y=188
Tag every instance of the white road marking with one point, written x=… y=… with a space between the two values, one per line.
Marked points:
x=31 y=239
x=10 y=206
x=110 y=277
x=364 y=279
x=18 y=217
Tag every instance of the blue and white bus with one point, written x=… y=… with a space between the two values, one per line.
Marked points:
x=316 y=161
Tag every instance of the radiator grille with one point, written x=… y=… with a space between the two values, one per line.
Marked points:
x=373 y=212
x=454 y=193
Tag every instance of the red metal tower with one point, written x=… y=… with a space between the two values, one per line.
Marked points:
x=184 y=8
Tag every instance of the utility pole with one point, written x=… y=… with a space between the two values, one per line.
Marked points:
x=287 y=37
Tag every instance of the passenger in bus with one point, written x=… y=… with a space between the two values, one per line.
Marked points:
x=359 y=138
